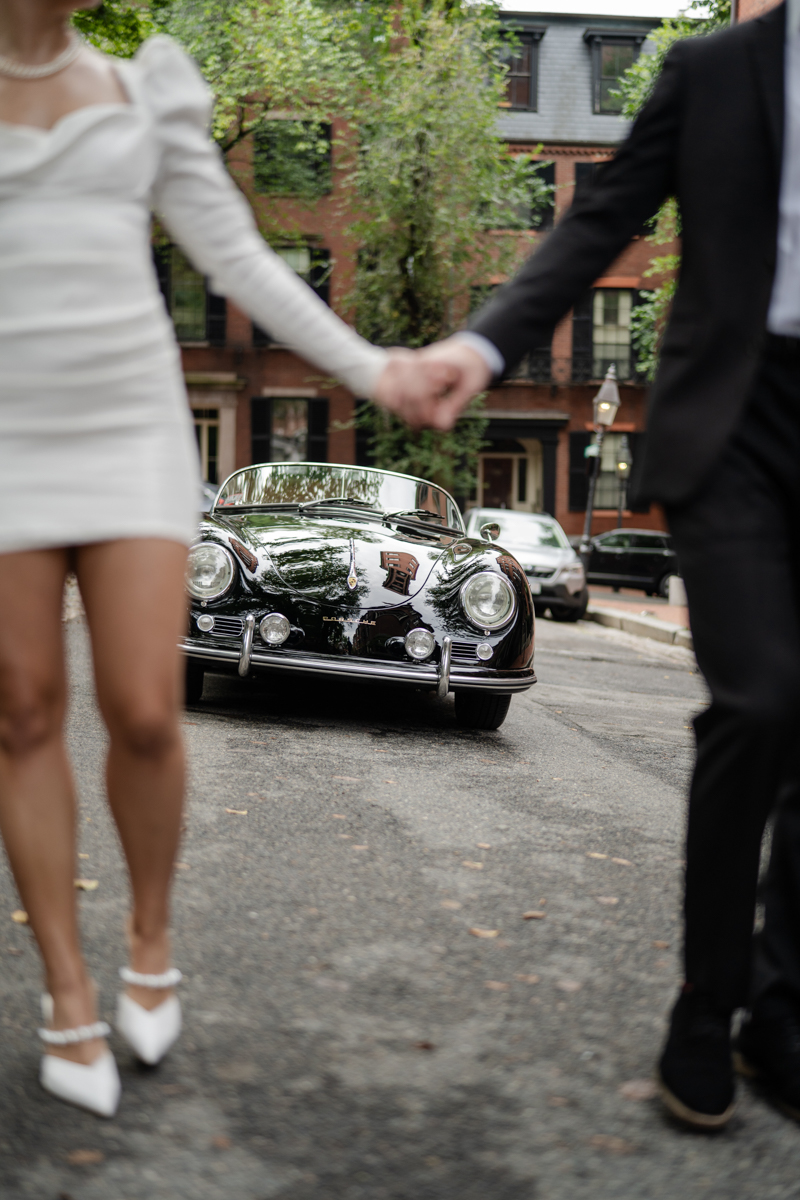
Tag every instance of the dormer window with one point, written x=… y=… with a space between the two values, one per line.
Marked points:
x=612 y=54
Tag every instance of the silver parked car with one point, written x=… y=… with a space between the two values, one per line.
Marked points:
x=540 y=546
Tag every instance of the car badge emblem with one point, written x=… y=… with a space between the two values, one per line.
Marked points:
x=352 y=578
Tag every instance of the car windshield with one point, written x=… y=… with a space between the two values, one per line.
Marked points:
x=317 y=483
x=523 y=529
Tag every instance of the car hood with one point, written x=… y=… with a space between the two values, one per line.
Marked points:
x=335 y=561
x=540 y=556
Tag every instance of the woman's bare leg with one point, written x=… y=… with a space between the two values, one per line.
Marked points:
x=37 y=801
x=134 y=595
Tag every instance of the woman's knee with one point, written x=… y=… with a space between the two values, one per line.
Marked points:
x=145 y=729
x=31 y=714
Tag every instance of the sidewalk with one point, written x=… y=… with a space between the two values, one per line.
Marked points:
x=644 y=616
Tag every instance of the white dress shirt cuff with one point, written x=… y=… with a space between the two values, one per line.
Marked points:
x=487 y=350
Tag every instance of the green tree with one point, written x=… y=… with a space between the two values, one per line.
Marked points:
x=117 y=27
x=650 y=316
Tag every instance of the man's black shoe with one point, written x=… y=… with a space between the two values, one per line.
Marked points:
x=768 y=1050
x=696 y=1069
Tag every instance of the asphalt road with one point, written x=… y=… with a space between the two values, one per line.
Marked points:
x=348 y=1036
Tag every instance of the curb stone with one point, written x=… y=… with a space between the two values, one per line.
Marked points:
x=641 y=626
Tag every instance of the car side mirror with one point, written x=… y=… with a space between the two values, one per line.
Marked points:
x=490 y=532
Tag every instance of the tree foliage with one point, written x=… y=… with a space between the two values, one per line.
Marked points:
x=649 y=318
x=117 y=27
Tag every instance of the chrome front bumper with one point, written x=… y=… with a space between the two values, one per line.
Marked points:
x=427 y=675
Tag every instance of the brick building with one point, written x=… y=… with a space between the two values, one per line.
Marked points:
x=255 y=401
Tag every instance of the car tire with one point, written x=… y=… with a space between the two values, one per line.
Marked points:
x=195 y=677
x=481 y=710
x=662 y=587
x=572 y=614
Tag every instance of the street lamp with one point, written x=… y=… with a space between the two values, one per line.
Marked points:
x=605 y=407
x=624 y=463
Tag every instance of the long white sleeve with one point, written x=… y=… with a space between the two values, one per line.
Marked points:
x=210 y=219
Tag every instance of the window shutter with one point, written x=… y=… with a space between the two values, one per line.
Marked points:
x=584 y=176
x=582 y=333
x=636 y=443
x=578 y=479
x=543 y=219
x=317 y=431
x=260 y=429
x=216 y=319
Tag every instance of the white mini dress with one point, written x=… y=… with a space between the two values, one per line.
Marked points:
x=96 y=436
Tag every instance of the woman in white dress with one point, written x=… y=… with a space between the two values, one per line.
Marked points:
x=99 y=473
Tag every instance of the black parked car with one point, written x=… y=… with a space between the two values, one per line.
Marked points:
x=355 y=573
x=633 y=558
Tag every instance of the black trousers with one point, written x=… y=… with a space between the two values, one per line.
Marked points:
x=738 y=546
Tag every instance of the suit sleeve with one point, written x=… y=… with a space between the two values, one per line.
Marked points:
x=597 y=227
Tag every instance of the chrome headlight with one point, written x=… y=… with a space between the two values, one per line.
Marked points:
x=210 y=571
x=420 y=644
x=488 y=600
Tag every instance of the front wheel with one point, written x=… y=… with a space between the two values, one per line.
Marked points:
x=572 y=614
x=662 y=588
x=195 y=675
x=481 y=710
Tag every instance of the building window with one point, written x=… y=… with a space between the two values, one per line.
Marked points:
x=543 y=215
x=607 y=492
x=292 y=158
x=314 y=266
x=601 y=334
x=289 y=429
x=197 y=314
x=522 y=80
x=612 y=54
x=206 y=428
x=585 y=173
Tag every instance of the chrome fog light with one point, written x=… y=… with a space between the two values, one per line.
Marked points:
x=275 y=629
x=206 y=623
x=420 y=644
x=484 y=651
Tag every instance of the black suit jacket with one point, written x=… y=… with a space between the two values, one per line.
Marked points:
x=711 y=135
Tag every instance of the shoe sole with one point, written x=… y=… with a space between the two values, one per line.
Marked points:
x=750 y=1071
x=696 y=1120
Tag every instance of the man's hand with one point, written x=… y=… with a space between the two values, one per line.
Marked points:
x=429 y=388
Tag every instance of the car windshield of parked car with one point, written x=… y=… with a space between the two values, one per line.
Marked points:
x=311 y=483
x=522 y=529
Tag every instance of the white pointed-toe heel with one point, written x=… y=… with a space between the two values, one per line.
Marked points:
x=149 y=1032
x=95 y=1087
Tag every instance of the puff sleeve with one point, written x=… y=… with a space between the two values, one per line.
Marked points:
x=210 y=219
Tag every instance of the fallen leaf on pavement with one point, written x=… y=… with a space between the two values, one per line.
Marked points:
x=83 y=855
x=473 y=865
x=390 y=781
x=221 y=1143
x=622 y=862
x=339 y=816
x=87 y=885
x=13 y=950
x=660 y=945
x=348 y=778
x=569 y=985
x=183 y=866
x=638 y=1089
x=594 y=854
x=84 y=1158
x=19 y=917
x=424 y=1046
x=527 y=978
x=361 y=847
x=483 y=845
x=237 y=812
x=557 y=1101
x=607 y=900
x=483 y=933
x=614 y=1145
x=534 y=915
x=494 y=985
x=451 y=904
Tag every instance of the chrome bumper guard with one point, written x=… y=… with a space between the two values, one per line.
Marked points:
x=450 y=677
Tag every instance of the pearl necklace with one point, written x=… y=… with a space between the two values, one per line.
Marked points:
x=18 y=70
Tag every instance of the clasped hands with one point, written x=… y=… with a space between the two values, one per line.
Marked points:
x=429 y=388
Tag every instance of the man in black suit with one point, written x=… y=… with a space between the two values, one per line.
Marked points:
x=723 y=456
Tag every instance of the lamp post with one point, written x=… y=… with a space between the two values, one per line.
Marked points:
x=624 y=463
x=605 y=407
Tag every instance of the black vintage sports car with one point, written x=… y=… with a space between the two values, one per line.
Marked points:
x=360 y=574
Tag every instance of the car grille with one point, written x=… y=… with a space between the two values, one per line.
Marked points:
x=540 y=572
x=225 y=627
x=464 y=652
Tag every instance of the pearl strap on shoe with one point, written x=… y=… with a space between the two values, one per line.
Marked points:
x=169 y=979
x=70 y=1037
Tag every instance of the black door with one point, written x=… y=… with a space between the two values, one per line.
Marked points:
x=610 y=560
x=651 y=558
